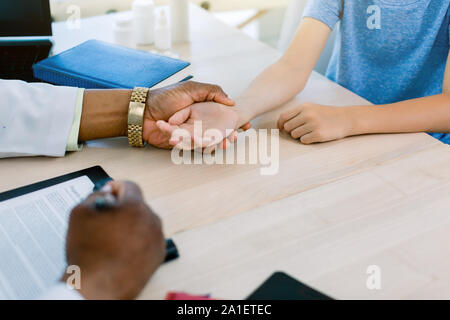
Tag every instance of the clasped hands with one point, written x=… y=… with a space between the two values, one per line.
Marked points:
x=180 y=105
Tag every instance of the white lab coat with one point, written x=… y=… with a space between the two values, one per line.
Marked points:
x=61 y=292
x=35 y=118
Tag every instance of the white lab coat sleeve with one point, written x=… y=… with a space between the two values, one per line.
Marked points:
x=61 y=292
x=35 y=118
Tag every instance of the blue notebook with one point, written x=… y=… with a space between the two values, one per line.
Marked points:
x=100 y=65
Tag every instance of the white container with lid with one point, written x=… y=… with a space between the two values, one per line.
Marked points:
x=124 y=31
x=163 y=36
x=179 y=18
x=144 y=18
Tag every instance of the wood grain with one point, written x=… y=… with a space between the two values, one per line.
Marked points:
x=332 y=210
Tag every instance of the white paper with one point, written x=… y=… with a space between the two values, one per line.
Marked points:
x=32 y=238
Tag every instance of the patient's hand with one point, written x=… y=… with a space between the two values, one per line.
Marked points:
x=314 y=123
x=210 y=115
x=163 y=103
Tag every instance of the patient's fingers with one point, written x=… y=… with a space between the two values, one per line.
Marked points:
x=214 y=138
x=301 y=131
x=234 y=136
x=288 y=115
x=210 y=150
x=310 y=138
x=246 y=126
x=294 y=123
x=166 y=127
x=210 y=138
x=182 y=138
x=180 y=117
x=174 y=141
x=224 y=145
x=176 y=135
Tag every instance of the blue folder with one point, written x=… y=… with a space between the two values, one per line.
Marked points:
x=99 y=65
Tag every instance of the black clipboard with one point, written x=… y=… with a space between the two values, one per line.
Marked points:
x=96 y=174
x=99 y=177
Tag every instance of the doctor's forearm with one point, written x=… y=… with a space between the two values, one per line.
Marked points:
x=104 y=115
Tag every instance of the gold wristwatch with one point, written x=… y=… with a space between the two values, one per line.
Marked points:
x=136 y=116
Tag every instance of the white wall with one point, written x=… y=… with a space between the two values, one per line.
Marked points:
x=96 y=7
x=88 y=7
x=291 y=21
x=268 y=26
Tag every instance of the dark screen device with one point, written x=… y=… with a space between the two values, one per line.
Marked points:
x=281 y=286
x=23 y=19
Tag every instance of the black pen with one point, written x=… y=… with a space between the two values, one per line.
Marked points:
x=171 y=251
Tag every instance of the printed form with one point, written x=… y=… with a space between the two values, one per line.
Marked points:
x=32 y=238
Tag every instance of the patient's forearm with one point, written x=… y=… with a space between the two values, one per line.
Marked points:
x=429 y=114
x=105 y=114
x=277 y=85
x=282 y=81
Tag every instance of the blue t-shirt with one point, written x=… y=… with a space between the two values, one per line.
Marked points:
x=387 y=50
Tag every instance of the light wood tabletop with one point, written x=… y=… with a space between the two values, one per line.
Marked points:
x=332 y=210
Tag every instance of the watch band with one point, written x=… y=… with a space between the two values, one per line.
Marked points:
x=136 y=116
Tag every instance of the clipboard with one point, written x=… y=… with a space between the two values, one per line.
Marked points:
x=99 y=178
x=96 y=174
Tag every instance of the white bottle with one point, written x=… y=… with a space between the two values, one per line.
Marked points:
x=179 y=18
x=144 y=18
x=124 y=31
x=163 y=36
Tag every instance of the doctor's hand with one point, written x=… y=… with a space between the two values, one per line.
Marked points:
x=105 y=112
x=313 y=123
x=165 y=102
x=116 y=241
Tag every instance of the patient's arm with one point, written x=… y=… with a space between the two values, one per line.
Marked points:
x=274 y=87
x=283 y=80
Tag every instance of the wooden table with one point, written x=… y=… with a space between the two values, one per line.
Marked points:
x=332 y=210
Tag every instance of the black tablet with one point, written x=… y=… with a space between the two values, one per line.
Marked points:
x=281 y=286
